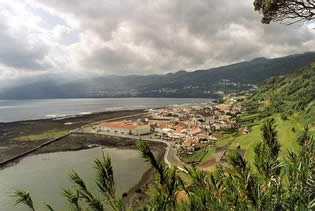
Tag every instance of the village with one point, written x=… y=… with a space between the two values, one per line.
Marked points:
x=188 y=129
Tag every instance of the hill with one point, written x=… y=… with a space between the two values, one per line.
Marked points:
x=290 y=100
x=287 y=95
x=200 y=83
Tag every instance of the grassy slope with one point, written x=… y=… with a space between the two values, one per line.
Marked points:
x=292 y=94
x=247 y=142
x=224 y=141
x=200 y=155
x=210 y=151
x=287 y=94
x=286 y=137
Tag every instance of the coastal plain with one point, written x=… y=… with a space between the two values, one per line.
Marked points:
x=18 y=137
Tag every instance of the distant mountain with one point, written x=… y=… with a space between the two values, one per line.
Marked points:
x=199 y=83
x=288 y=94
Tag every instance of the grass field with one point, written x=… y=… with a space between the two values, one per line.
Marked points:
x=200 y=155
x=225 y=141
x=247 y=142
x=248 y=120
x=286 y=137
x=49 y=135
x=248 y=117
x=210 y=151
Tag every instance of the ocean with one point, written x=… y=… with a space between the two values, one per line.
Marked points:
x=17 y=110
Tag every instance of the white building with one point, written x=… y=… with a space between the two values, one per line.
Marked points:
x=124 y=127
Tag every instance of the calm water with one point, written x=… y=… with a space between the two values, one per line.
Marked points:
x=16 y=110
x=45 y=175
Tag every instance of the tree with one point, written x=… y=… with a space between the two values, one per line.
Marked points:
x=291 y=11
x=267 y=151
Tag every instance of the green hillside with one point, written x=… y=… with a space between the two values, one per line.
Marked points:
x=290 y=95
x=290 y=101
x=286 y=136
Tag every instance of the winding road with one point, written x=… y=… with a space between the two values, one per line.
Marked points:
x=170 y=157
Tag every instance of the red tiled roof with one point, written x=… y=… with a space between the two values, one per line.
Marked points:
x=120 y=124
x=184 y=122
x=190 y=141
x=163 y=124
x=179 y=129
x=223 y=106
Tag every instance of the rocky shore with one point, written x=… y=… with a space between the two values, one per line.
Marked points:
x=21 y=136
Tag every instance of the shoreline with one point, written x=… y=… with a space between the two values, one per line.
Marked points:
x=137 y=192
x=53 y=116
x=21 y=136
x=75 y=116
x=10 y=145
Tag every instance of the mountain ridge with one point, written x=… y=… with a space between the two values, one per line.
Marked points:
x=199 y=83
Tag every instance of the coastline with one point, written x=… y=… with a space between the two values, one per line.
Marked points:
x=81 y=115
x=76 y=142
x=21 y=136
x=64 y=108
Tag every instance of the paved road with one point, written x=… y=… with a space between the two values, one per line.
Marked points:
x=170 y=157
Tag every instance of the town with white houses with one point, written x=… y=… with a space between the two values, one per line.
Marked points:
x=188 y=128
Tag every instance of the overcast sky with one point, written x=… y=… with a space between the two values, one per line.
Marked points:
x=103 y=37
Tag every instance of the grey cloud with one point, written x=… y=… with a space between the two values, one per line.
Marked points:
x=110 y=60
x=17 y=53
x=287 y=35
x=169 y=30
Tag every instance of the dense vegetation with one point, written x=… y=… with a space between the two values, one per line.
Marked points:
x=287 y=95
x=289 y=99
x=272 y=184
x=199 y=83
